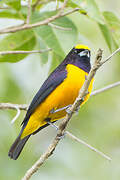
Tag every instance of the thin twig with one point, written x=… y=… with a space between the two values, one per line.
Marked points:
x=5 y=7
x=13 y=106
x=109 y=57
x=88 y=145
x=29 y=12
x=70 y=135
x=63 y=6
x=106 y=88
x=39 y=2
x=35 y=4
x=41 y=23
x=57 y=4
x=17 y=115
x=24 y=52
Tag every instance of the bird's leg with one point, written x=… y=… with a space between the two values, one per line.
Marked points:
x=51 y=123
x=66 y=108
x=62 y=136
x=54 y=126
x=60 y=109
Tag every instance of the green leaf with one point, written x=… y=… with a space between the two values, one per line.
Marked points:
x=24 y=40
x=113 y=24
x=34 y=1
x=56 y=60
x=46 y=33
x=50 y=39
x=10 y=14
x=41 y=45
x=12 y=90
x=67 y=38
x=108 y=36
x=90 y=7
x=57 y=39
x=15 y=4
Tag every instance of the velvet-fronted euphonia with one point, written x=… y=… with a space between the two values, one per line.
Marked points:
x=55 y=95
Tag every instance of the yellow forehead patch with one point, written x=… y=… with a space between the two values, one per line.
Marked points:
x=81 y=46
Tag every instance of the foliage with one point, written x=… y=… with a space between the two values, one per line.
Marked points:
x=51 y=37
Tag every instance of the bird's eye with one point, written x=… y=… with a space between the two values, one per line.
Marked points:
x=84 y=53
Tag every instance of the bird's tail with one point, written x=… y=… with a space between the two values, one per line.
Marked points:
x=17 y=147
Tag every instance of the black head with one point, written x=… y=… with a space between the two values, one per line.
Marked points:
x=80 y=57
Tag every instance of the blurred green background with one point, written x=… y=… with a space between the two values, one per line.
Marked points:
x=98 y=121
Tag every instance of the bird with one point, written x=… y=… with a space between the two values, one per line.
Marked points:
x=55 y=96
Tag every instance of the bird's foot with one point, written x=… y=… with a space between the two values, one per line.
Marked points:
x=62 y=136
x=51 y=124
x=60 y=109
x=68 y=110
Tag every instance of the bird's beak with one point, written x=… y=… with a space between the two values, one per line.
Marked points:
x=85 y=53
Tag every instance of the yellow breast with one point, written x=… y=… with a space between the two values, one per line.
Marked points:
x=65 y=94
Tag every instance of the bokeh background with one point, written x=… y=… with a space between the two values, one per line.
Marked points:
x=98 y=121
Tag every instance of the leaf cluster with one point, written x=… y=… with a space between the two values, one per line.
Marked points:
x=60 y=40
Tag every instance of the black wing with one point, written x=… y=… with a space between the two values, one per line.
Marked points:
x=55 y=78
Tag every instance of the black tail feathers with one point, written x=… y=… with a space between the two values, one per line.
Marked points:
x=17 y=147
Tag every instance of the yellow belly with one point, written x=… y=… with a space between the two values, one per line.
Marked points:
x=65 y=94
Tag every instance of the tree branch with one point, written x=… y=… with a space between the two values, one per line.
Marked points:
x=5 y=7
x=57 y=4
x=13 y=106
x=109 y=57
x=87 y=145
x=24 y=52
x=29 y=12
x=106 y=88
x=41 y=23
x=17 y=115
x=35 y=4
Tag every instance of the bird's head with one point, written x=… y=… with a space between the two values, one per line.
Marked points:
x=82 y=51
x=80 y=57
